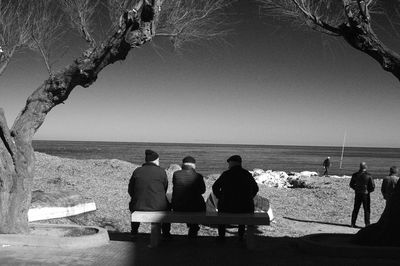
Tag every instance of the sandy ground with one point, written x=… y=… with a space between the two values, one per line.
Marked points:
x=324 y=207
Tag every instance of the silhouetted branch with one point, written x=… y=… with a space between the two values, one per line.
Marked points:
x=117 y=7
x=132 y=32
x=192 y=20
x=14 y=30
x=80 y=13
x=46 y=28
x=350 y=19
x=5 y=135
x=321 y=15
x=5 y=59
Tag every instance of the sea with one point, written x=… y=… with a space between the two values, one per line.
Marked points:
x=211 y=158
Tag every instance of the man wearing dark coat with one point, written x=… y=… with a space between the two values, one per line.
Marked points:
x=235 y=190
x=362 y=184
x=326 y=164
x=188 y=187
x=147 y=188
x=389 y=183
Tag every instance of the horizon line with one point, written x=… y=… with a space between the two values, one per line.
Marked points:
x=218 y=144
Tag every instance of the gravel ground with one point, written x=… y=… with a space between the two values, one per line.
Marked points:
x=325 y=205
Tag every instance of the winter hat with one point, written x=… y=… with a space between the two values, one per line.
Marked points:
x=189 y=159
x=234 y=158
x=151 y=156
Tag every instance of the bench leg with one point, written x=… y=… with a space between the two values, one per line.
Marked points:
x=250 y=241
x=155 y=234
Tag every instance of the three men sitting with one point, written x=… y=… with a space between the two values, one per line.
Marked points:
x=234 y=189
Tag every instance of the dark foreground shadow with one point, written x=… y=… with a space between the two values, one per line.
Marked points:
x=205 y=250
x=317 y=222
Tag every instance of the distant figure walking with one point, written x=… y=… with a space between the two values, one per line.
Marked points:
x=235 y=190
x=326 y=164
x=188 y=187
x=147 y=188
x=362 y=184
x=389 y=183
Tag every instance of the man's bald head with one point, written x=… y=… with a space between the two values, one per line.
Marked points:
x=363 y=166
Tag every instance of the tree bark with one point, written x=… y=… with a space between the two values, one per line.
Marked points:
x=15 y=182
x=360 y=35
x=16 y=152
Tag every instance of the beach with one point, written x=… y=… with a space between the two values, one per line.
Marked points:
x=323 y=200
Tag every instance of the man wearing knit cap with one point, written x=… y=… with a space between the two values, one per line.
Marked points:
x=235 y=190
x=147 y=188
x=188 y=187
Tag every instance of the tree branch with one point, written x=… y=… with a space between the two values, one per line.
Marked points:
x=190 y=20
x=133 y=32
x=321 y=15
x=5 y=59
x=80 y=13
x=43 y=54
x=359 y=34
x=328 y=29
x=14 y=30
x=5 y=135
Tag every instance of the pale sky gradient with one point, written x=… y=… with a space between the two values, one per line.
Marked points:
x=271 y=85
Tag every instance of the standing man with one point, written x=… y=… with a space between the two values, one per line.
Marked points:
x=235 y=190
x=362 y=184
x=389 y=183
x=188 y=187
x=326 y=164
x=147 y=188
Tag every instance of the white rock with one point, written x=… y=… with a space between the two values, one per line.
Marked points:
x=308 y=174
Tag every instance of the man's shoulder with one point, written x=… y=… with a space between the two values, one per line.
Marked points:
x=149 y=168
x=355 y=173
x=368 y=174
x=241 y=171
x=179 y=173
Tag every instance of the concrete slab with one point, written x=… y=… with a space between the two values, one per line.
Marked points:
x=58 y=236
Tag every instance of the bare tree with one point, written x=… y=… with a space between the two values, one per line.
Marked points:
x=14 y=30
x=352 y=20
x=37 y=24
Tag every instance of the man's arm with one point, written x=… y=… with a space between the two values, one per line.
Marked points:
x=131 y=185
x=254 y=186
x=383 y=187
x=216 y=188
x=371 y=184
x=353 y=182
x=200 y=184
x=165 y=178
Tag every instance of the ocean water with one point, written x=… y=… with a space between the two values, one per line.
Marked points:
x=211 y=158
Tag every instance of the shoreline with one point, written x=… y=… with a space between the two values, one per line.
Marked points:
x=320 y=199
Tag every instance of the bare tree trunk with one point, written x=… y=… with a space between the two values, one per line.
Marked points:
x=16 y=177
x=16 y=152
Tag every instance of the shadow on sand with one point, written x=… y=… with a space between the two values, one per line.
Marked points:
x=205 y=250
x=316 y=222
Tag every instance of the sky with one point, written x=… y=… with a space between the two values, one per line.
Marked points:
x=270 y=83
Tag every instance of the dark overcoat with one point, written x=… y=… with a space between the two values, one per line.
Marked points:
x=147 y=188
x=362 y=182
x=235 y=190
x=188 y=187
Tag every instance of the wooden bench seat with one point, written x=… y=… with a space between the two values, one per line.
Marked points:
x=157 y=217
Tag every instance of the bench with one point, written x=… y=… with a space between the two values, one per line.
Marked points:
x=214 y=218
